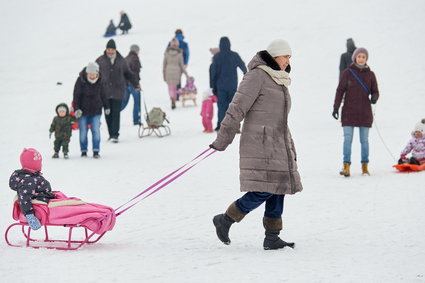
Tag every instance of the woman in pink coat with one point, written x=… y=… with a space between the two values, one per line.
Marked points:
x=207 y=111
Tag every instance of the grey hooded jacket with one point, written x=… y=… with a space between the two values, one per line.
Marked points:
x=267 y=152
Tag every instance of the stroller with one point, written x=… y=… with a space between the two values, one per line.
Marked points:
x=68 y=212
x=188 y=92
x=155 y=124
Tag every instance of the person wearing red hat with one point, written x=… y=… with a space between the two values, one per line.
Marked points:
x=30 y=185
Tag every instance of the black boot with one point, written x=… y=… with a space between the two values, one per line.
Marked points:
x=222 y=224
x=273 y=242
x=414 y=161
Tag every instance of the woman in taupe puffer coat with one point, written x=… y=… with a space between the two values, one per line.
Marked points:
x=173 y=68
x=268 y=168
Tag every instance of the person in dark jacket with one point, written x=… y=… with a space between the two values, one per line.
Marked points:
x=224 y=76
x=135 y=66
x=346 y=57
x=89 y=98
x=115 y=72
x=124 y=23
x=111 y=29
x=62 y=126
x=358 y=89
x=30 y=184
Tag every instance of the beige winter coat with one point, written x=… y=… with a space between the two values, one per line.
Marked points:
x=267 y=152
x=173 y=66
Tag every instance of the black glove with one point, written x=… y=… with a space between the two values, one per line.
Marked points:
x=372 y=100
x=213 y=147
x=335 y=114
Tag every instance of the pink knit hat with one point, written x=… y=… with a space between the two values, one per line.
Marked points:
x=358 y=51
x=31 y=160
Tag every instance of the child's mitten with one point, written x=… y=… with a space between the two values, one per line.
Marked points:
x=33 y=221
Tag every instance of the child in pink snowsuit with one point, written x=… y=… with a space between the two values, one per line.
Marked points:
x=207 y=112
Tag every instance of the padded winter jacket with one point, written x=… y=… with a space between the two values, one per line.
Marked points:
x=416 y=146
x=114 y=76
x=30 y=186
x=88 y=97
x=357 y=109
x=173 y=66
x=223 y=70
x=267 y=152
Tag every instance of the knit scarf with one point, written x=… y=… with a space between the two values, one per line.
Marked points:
x=280 y=77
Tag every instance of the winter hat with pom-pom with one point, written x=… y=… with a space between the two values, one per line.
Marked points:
x=31 y=160
x=279 y=47
x=419 y=127
x=358 y=51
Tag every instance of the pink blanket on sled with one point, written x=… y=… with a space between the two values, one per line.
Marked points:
x=72 y=211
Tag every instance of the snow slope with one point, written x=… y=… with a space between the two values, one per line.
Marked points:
x=357 y=229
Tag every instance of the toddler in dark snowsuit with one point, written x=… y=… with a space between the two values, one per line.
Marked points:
x=30 y=184
x=62 y=126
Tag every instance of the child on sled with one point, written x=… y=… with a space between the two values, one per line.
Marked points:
x=30 y=184
x=416 y=145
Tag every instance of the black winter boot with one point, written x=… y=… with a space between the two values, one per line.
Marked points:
x=414 y=161
x=222 y=224
x=273 y=242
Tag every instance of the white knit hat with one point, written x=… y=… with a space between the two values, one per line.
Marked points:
x=92 y=68
x=207 y=93
x=420 y=127
x=279 y=47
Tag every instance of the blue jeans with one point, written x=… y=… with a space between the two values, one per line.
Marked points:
x=136 y=97
x=364 y=142
x=94 y=122
x=251 y=200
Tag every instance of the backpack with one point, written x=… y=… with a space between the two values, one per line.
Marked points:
x=155 y=117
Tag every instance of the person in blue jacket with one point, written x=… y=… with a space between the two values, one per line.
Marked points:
x=183 y=45
x=224 y=76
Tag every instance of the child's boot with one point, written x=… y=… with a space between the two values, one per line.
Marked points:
x=272 y=241
x=222 y=222
x=365 y=171
x=55 y=155
x=173 y=104
x=346 y=170
x=65 y=155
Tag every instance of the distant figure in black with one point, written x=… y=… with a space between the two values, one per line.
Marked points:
x=346 y=57
x=111 y=29
x=124 y=24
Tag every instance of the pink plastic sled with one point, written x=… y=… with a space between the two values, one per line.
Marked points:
x=68 y=212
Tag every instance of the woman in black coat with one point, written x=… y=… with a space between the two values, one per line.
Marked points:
x=124 y=24
x=89 y=98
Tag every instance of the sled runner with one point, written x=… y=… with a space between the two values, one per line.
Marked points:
x=406 y=167
x=155 y=120
x=69 y=212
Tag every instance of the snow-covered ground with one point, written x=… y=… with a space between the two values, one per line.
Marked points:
x=357 y=229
